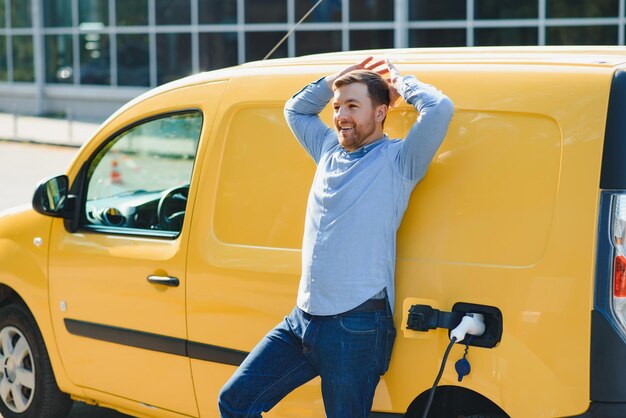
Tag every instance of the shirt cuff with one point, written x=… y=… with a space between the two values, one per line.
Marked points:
x=408 y=87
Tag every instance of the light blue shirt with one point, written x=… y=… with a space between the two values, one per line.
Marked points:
x=358 y=198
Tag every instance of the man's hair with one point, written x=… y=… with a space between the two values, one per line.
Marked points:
x=377 y=87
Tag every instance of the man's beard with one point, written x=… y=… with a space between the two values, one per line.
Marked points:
x=354 y=139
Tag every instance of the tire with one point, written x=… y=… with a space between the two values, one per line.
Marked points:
x=28 y=388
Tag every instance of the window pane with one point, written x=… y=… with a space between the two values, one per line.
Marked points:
x=3 y=59
x=436 y=37
x=315 y=42
x=327 y=11
x=21 y=14
x=437 y=10
x=57 y=13
x=506 y=9
x=371 y=39
x=95 y=61
x=581 y=35
x=23 y=65
x=59 y=62
x=93 y=11
x=173 y=56
x=582 y=8
x=266 y=11
x=218 y=50
x=258 y=44
x=140 y=179
x=2 y=15
x=371 y=10
x=133 y=60
x=217 y=11
x=131 y=12
x=505 y=36
x=173 y=12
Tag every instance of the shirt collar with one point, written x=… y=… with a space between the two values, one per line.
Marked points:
x=365 y=149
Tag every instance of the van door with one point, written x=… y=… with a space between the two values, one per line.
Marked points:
x=118 y=285
x=244 y=249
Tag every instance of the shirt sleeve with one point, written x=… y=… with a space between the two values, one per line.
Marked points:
x=302 y=115
x=435 y=112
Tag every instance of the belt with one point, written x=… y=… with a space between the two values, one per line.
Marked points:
x=371 y=305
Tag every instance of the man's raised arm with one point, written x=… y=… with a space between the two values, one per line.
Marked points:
x=435 y=112
x=302 y=114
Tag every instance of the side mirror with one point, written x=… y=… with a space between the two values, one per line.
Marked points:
x=52 y=198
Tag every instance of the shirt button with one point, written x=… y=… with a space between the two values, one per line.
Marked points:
x=325 y=210
x=312 y=280
x=314 y=256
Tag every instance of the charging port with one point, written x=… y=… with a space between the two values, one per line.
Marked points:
x=425 y=317
x=493 y=323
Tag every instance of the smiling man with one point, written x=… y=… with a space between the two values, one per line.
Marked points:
x=342 y=327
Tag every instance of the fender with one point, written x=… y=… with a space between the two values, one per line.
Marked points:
x=24 y=243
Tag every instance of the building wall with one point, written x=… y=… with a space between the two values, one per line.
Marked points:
x=62 y=55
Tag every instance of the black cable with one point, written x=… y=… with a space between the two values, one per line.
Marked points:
x=443 y=366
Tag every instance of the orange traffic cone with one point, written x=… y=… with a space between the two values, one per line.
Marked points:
x=116 y=177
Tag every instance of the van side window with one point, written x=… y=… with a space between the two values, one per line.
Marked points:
x=139 y=181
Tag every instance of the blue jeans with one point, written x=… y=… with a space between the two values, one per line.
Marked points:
x=348 y=351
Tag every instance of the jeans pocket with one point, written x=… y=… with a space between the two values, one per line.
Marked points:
x=391 y=337
x=359 y=322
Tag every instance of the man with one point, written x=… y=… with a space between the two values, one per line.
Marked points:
x=342 y=327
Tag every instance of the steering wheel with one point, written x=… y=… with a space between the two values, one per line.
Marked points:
x=171 y=208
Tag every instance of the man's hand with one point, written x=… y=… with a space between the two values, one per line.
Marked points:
x=381 y=67
x=366 y=64
x=395 y=76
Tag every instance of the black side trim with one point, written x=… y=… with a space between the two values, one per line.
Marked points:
x=608 y=369
x=604 y=410
x=139 y=339
x=613 y=174
x=385 y=415
x=155 y=342
x=215 y=354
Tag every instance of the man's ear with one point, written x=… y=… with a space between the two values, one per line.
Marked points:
x=380 y=113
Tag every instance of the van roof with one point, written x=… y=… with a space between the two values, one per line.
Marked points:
x=561 y=55
x=580 y=56
x=586 y=56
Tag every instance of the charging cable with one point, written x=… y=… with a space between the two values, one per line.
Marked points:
x=473 y=324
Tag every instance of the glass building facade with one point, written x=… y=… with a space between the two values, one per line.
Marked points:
x=144 y=43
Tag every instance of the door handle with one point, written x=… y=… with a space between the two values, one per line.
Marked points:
x=164 y=280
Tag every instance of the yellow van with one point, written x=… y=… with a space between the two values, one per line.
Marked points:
x=172 y=244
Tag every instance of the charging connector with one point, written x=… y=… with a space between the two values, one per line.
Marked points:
x=472 y=323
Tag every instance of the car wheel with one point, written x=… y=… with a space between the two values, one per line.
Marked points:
x=27 y=385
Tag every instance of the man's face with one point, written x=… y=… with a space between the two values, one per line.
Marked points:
x=357 y=121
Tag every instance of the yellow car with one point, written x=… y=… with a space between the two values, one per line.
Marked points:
x=145 y=274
